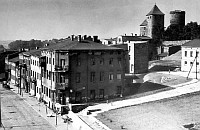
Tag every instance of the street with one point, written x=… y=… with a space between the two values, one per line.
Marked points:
x=18 y=115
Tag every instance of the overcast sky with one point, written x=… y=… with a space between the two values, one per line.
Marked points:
x=48 y=19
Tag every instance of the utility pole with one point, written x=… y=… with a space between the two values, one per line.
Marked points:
x=0 y=109
x=196 y=64
x=20 y=79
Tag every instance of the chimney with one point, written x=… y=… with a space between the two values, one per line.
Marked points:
x=79 y=38
x=85 y=37
x=72 y=37
x=132 y=34
x=135 y=34
x=125 y=34
x=95 y=38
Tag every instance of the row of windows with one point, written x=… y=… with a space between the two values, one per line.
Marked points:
x=46 y=91
x=191 y=54
x=35 y=74
x=185 y=63
x=101 y=61
x=101 y=76
x=36 y=63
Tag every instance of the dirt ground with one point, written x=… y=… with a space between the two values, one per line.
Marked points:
x=167 y=114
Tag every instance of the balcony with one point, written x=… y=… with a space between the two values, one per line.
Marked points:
x=61 y=68
x=61 y=86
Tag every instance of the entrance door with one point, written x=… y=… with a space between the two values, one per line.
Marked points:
x=92 y=94
x=78 y=97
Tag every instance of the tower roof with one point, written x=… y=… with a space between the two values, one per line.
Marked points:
x=144 y=23
x=155 y=11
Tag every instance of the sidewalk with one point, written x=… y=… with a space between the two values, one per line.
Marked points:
x=41 y=109
x=180 y=89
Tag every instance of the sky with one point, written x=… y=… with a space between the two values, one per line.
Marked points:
x=48 y=19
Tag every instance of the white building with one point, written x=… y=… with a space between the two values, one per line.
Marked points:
x=190 y=56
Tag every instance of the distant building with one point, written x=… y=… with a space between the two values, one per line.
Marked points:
x=177 y=18
x=169 y=47
x=191 y=56
x=137 y=52
x=153 y=24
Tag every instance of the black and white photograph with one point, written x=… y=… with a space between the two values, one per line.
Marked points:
x=99 y=65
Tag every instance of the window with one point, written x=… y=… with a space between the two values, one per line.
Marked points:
x=92 y=94
x=197 y=63
x=191 y=53
x=62 y=79
x=119 y=61
x=78 y=63
x=101 y=93
x=119 y=89
x=49 y=60
x=92 y=61
x=185 y=63
x=78 y=77
x=111 y=76
x=101 y=76
x=44 y=89
x=111 y=61
x=53 y=61
x=119 y=76
x=197 y=54
x=132 y=67
x=191 y=63
x=49 y=93
x=50 y=75
x=47 y=74
x=101 y=61
x=53 y=75
x=92 y=76
x=185 y=53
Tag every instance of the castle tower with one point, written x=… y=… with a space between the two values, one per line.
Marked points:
x=154 y=23
x=177 y=18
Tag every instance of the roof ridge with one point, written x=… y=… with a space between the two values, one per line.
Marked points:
x=155 y=11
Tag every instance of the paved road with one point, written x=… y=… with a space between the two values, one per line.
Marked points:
x=18 y=115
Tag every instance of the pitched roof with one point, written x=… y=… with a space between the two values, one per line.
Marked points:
x=33 y=52
x=144 y=23
x=155 y=11
x=15 y=59
x=175 y=43
x=193 y=43
x=82 y=45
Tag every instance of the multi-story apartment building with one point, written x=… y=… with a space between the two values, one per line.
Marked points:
x=31 y=72
x=190 y=56
x=81 y=70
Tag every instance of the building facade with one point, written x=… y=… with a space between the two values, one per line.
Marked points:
x=190 y=56
x=136 y=52
x=79 y=70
